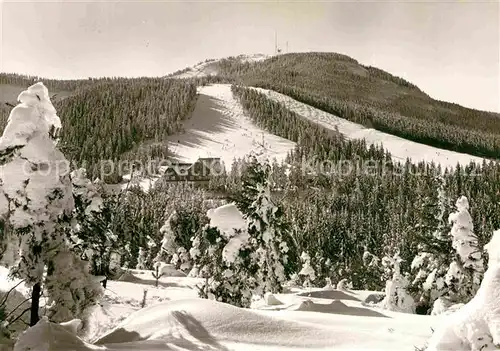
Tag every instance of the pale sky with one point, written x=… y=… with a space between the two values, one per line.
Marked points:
x=450 y=49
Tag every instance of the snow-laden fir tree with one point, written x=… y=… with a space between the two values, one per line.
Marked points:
x=430 y=265
x=168 y=243
x=36 y=205
x=217 y=252
x=396 y=297
x=173 y=231
x=186 y=218
x=93 y=235
x=372 y=271
x=141 y=259
x=307 y=271
x=266 y=228
x=254 y=256
x=475 y=326
x=465 y=271
x=182 y=260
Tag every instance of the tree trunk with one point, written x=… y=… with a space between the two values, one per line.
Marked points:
x=35 y=303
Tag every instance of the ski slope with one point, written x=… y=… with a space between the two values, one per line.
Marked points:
x=400 y=148
x=220 y=128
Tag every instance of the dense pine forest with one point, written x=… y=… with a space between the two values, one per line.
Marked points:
x=116 y=118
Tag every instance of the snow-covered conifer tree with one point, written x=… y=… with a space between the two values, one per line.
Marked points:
x=372 y=272
x=266 y=228
x=36 y=204
x=465 y=271
x=93 y=236
x=182 y=260
x=396 y=297
x=141 y=259
x=475 y=326
x=168 y=241
x=307 y=272
x=254 y=249
x=430 y=265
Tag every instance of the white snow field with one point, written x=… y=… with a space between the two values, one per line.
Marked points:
x=400 y=148
x=176 y=319
x=220 y=128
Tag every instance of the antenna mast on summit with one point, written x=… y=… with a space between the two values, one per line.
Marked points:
x=275 y=42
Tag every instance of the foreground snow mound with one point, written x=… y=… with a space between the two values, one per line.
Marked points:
x=47 y=336
x=476 y=326
x=205 y=324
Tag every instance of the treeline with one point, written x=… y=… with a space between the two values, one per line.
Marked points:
x=54 y=85
x=372 y=97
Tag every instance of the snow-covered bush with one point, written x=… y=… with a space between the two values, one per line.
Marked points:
x=182 y=260
x=344 y=284
x=13 y=305
x=444 y=306
x=294 y=281
x=396 y=297
x=475 y=326
x=328 y=285
x=185 y=222
x=36 y=204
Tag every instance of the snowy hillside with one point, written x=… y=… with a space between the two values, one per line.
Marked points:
x=209 y=67
x=220 y=128
x=399 y=148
